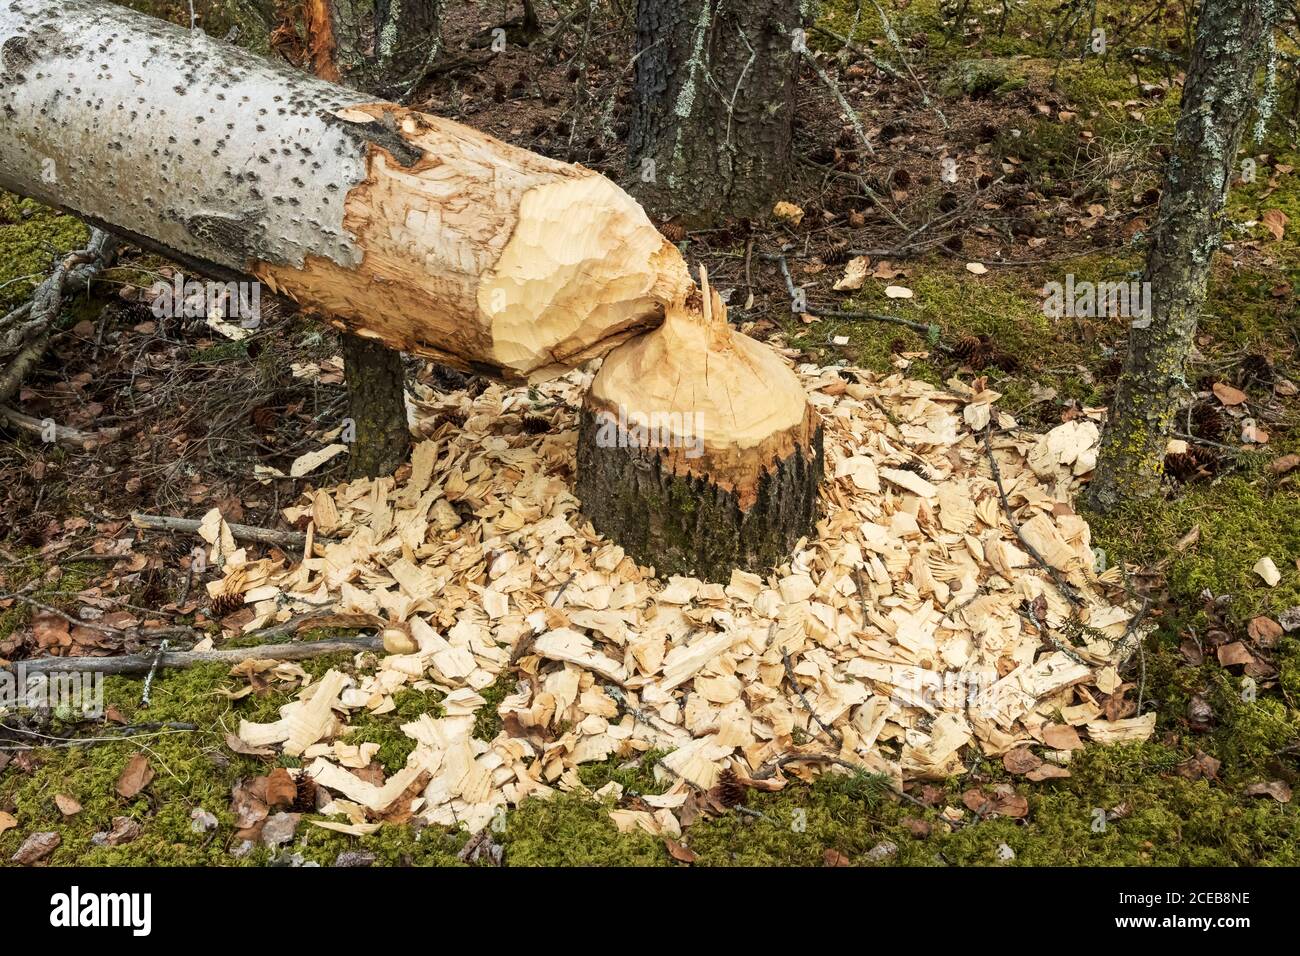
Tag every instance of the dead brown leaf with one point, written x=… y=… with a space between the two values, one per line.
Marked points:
x=682 y=854
x=67 y=805
x=1275 y=221
x=1264 y=631
x=1228 y=395
x=1280 y=466
x=1230 y=655
x=1277 y=789
x=1048 y=771
x=1021 y=760
x=135 y=777
x=281 y=790
x=1200 y=766
x=1061 y=737
x=248 y=803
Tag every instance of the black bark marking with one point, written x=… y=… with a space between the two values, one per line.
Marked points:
x=245 y=234
x=382 y=134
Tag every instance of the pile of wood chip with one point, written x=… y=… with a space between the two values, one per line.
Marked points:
x=917 y=625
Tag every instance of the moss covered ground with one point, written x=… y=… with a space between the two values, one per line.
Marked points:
x=1124 y=805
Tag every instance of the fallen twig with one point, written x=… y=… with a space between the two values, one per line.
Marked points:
x=794 y=682
x=153 y=669
x=61 y=434
x=1067 y=591
x=294 y=540
x=141 y=663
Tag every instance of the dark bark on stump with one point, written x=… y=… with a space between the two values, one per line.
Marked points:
x=375 y=381
x=685 y=525
x=714 y=106
x=1217 y=100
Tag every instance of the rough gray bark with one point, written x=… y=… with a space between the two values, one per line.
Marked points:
x=714 y=105
x=374 y=374
x=1217 y=99
x=407 y=33
x=681 y=524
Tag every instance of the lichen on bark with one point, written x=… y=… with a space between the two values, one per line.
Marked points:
x=1231 y=42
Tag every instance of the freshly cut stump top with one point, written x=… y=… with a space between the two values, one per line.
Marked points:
x=698 y=450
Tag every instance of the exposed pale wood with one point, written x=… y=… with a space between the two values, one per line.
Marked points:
x=699 y=451
x=431 y=236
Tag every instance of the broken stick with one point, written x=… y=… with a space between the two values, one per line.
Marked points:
x=293 y=540
x=142 y=663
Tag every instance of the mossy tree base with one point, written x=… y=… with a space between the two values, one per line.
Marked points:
x=684 y=524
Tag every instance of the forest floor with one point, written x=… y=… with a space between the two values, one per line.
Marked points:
x=1057 y=172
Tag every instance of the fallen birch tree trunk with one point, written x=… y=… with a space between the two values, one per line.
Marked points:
x=414 y=230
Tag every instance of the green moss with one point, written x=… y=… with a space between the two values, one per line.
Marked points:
x=32 y=238
x=487 y=722
x=636 y=776
x=386 y=729
x=572 y=830
x=1241 y=520
x=983 y=78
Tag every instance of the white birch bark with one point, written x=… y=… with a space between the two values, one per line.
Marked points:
x=412 y=229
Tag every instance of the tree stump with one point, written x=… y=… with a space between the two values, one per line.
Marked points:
x=698 y=451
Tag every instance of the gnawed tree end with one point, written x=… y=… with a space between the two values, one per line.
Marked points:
x=698 y=451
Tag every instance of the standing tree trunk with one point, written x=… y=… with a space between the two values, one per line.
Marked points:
x=698 y=450
x=408 y=35
x=405 y=30
x=714 y=106
x=376 y=385
x=1217 y=98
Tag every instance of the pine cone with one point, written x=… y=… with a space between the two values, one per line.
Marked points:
x=304 y=800
x=263 y=418
x=1196 y=462
x=536 y=425
x=1004 y=361
x=454 y=417
x=838 y=254
x=224 y=604
x=730 y=790
x=1257 y=369
x=673 y=232
x=972 y=350
x=1207 y=421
